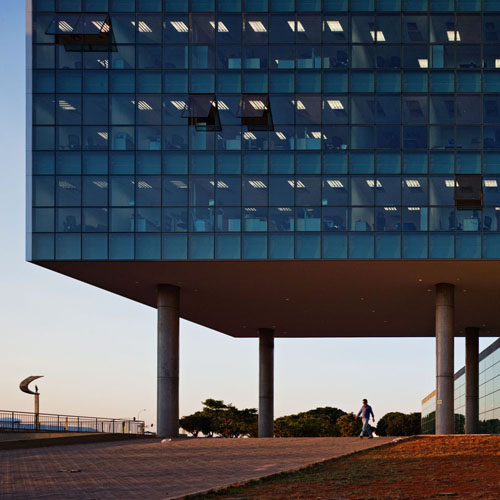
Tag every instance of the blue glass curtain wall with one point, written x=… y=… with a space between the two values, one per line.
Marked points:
x=263 y=129
x=489 y=399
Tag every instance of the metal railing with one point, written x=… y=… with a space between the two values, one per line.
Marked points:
x=21 y=421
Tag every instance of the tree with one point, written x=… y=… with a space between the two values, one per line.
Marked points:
x=391 y=424
x=349 y=425
x=321 y=422
x=299 y=426
x=219 y=418
x=226 y=420
x=213 y=404
x=414 y=423
x=399 y=424
x=327 y=412
x=196 y=423
x=246 y=422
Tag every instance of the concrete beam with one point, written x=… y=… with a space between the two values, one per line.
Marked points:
x=471 y=380
x=445 y=306
x=167 y=422
x=266 y=382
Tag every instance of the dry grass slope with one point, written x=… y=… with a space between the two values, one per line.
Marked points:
x=461 y=467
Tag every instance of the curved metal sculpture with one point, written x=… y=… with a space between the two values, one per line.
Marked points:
x=26 y=382
x=24 y=387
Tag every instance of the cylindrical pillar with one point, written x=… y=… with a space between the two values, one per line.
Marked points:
x=266 y=382
x=471 y=380
x=167 y=421
x=445 y=305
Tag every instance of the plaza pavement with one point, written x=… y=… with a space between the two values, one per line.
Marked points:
x=151 y=470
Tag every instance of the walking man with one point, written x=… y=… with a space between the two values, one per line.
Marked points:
x=365 y=412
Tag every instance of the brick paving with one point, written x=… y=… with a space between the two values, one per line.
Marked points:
x=150 y=470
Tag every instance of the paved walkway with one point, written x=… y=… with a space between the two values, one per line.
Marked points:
x=149 y=470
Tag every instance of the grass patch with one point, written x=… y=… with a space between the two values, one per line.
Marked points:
x=464 y=467
x=342 y=471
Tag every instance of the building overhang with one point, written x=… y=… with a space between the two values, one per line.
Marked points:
x=307 y=298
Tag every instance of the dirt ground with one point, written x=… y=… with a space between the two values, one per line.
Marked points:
x=462 y=467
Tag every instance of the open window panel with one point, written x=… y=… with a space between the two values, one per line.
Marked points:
x=255 y=112
x=202 y=111
x=468 y=192
x=83 y=32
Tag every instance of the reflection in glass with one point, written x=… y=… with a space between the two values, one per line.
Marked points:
x=361 y=219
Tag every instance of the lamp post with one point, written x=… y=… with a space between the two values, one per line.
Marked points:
x=141 y=426
x=24 y=387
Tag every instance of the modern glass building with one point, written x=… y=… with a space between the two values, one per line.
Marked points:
x=489 y=397
x=305 y=166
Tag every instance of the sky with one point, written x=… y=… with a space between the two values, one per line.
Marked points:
x=97 y=351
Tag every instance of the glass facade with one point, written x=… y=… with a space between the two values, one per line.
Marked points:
x=428 y=422
x=489 y=396
x=264 y=129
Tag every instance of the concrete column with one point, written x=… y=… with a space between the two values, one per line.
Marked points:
x=167 y=421
x=471 y=380
x=445 y=305
x=266 y=382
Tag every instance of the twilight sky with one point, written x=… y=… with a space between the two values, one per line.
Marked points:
x=98 y=351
